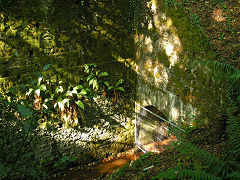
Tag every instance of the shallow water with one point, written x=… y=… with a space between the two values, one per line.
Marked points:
x=107 y=166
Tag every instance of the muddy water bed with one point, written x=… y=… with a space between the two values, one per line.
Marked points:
x=104 y=168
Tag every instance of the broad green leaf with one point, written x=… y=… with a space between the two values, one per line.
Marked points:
x=79 y=87
x=43 y=87
x=80 y=104
x=91 y=82
x=119 y=82
x=106 y=83
x=46 y=67
x=111 y=87
x=97 y=72
x=83 y=92
x=120 y=88
x=24 y=111
x=103 y=74
x=89 y=77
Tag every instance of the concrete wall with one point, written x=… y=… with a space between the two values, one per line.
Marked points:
x=170 y=77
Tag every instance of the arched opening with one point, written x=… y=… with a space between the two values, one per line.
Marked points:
x=152 y=129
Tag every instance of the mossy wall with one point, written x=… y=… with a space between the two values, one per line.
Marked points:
x=66 y=34
x=169 y=49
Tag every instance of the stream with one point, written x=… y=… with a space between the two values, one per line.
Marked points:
x=106 y=167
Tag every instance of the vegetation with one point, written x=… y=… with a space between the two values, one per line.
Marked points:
x=199 y=155
x=46 y=85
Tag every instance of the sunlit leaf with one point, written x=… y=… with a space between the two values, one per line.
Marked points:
x=91 y=82
x=119 y=82
x=79 y=87
x=64 y=101
x=39 y=80
x=59 y=89
x=97 y=72
x=103 y=74
x=111 y=87
x=80 y=104
x=37 y=92
x=61 y=105
x=95 y=84
x=45 y=106
x=83 y=92
x=43 y=87
x=106 y=83
x=29 y=91
x=120 y=88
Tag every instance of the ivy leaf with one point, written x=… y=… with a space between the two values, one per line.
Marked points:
x=80 y=104
x=46 y=67
x=24 y=111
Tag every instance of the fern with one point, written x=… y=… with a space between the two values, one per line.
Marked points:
x=186 y=173
x=221 y=67
x=213 y=164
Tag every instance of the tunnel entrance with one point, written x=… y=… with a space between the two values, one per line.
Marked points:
x=153 y=130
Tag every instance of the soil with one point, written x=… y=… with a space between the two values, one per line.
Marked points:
x=220 y=21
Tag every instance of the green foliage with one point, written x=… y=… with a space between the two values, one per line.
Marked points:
x=63 y=162
x=205 y=165
x=18 y=122
x=62 y=99
x=186 y=173
x=4 y=3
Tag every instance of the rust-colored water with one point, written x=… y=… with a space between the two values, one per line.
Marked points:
x=108 y=165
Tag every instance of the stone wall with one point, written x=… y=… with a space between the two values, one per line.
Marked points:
x=169 y=49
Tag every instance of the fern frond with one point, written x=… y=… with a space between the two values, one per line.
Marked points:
x=213 y=164
x=233 y=175
x=186 y=173
x=221 y=67
x=196 y=174
x=233 y=127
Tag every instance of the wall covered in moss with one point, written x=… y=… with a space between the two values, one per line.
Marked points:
x=169 y=49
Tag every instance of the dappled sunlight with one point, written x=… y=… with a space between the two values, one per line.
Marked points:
x=174 y=114
x=218 y=15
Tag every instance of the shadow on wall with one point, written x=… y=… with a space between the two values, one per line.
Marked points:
x=64 y=33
